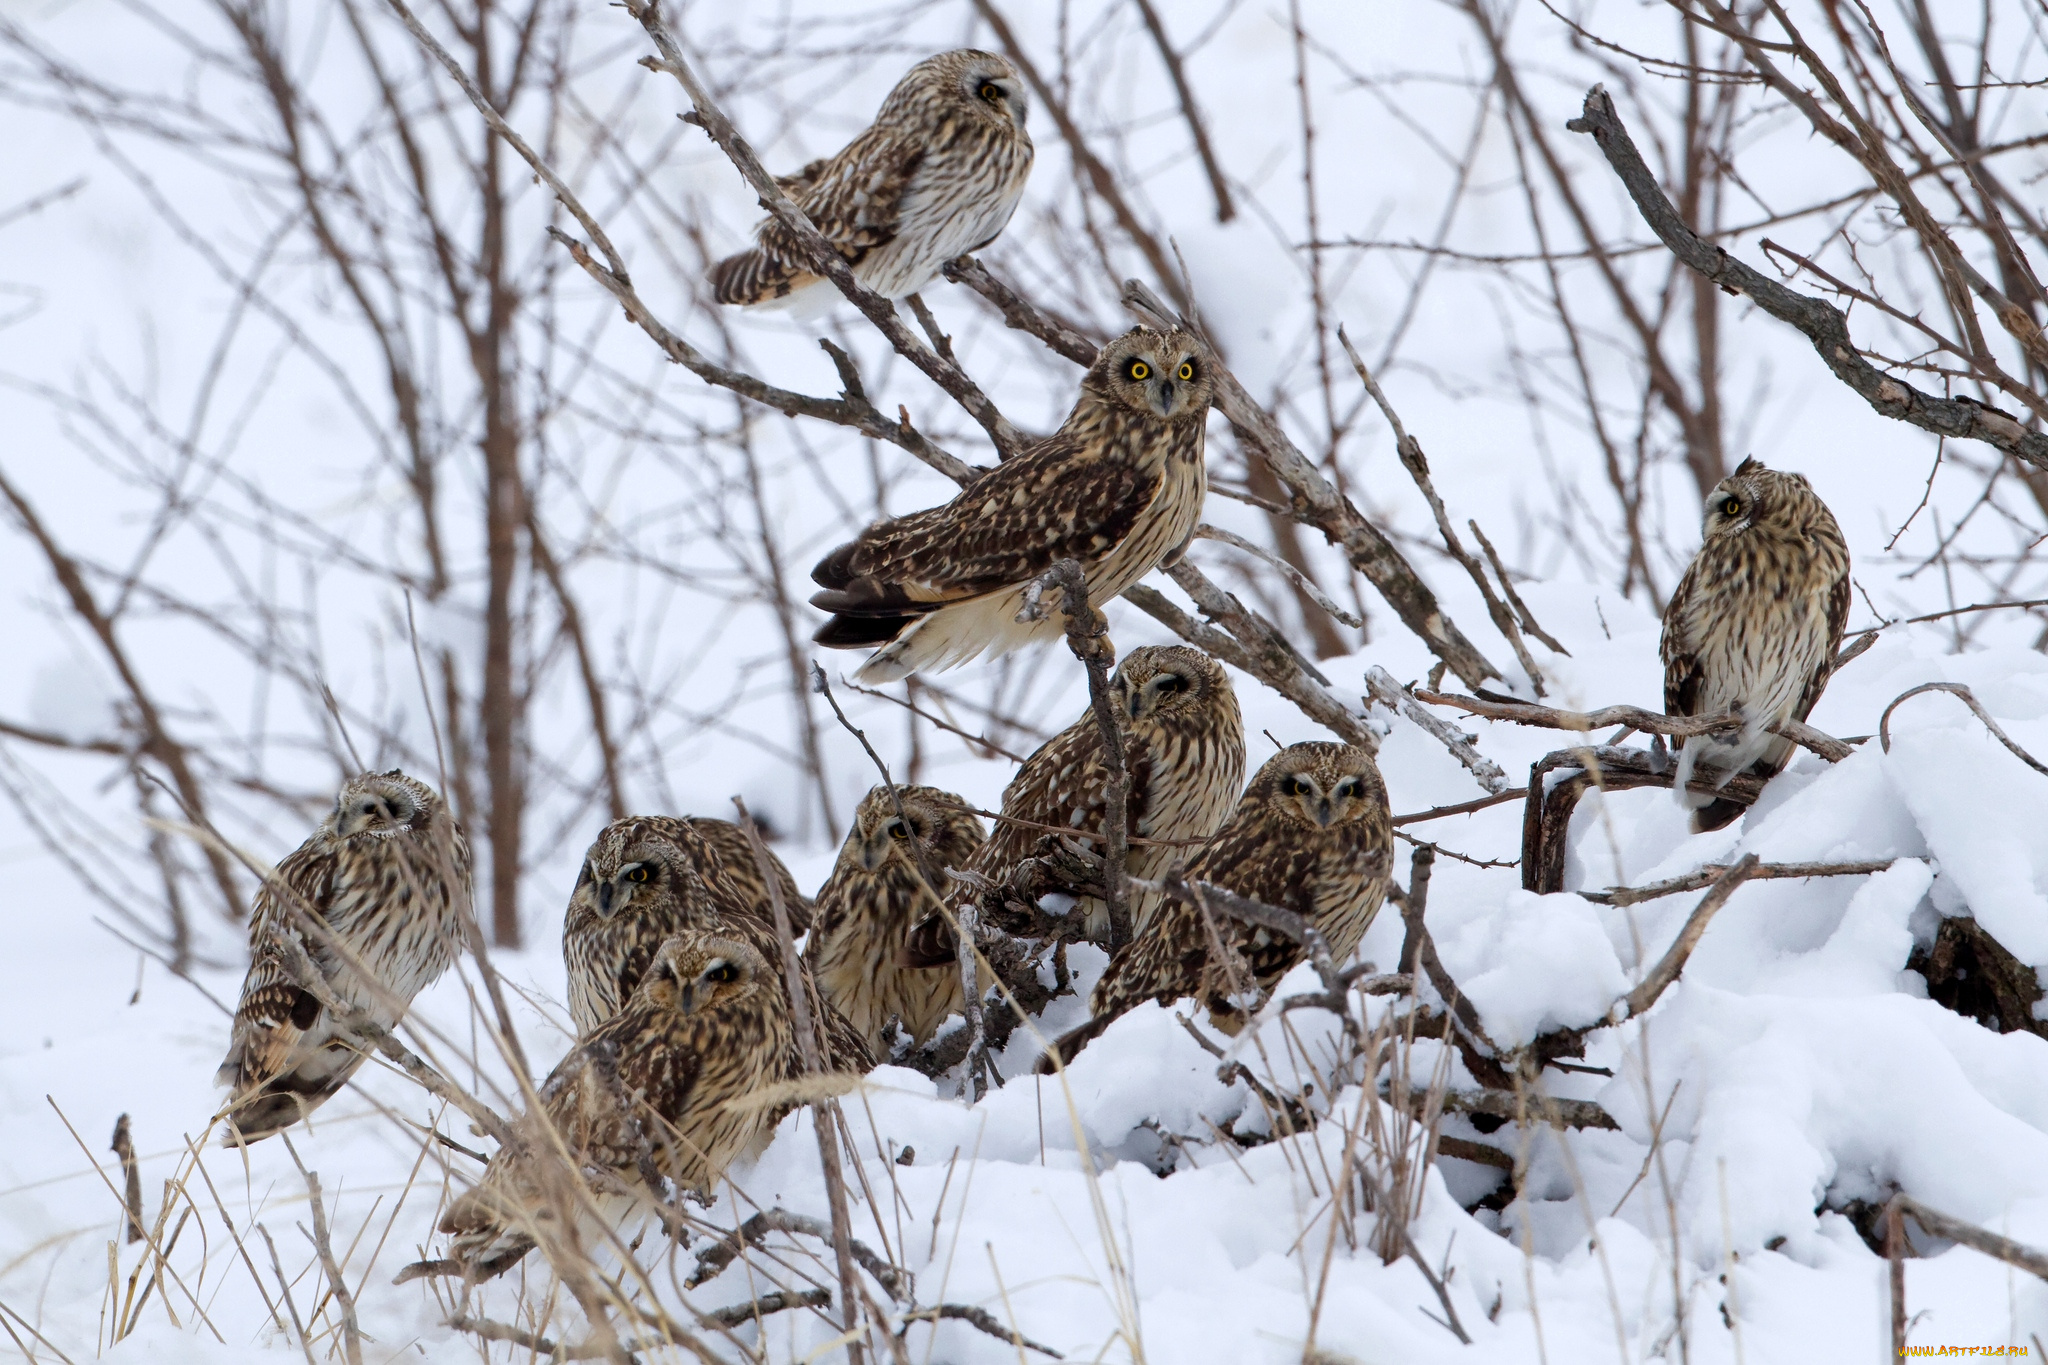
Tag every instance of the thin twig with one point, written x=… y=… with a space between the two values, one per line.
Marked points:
x=1088 y=637
x=1673 y=962
x=351 y=1331
x=1970 y=1235
x=1712 y=872
x=1397 y=698
x=124 y=1148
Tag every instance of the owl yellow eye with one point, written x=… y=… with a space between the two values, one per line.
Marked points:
x=1187 y=370
x=898 y=832
x=724 y=972
x=990 y=91
x=1730 y=506
x=639 y=873
x=1139 y=370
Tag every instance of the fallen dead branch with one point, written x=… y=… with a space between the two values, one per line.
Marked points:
x=1969 y=699
x=1970 y=1235
x=979 y=1318
x=1712 y=872
x=720 y=1254
x=1547 y=814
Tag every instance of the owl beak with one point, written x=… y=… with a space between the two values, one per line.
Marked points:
x=1324 y=815
x=874 y=850
x=604 y=899
x=686 y=997
x=1159 y=393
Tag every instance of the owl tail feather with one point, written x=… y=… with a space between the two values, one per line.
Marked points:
x=1068 y=1046
x=754 y=276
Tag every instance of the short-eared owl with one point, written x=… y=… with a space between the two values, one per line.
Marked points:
x=645 y=878
x=387 y=876
x=1753 y=626
x=1312 y=834
x=874 y=898
x=936 y=175
x=1118 y=488
x=1184 y=745
x=666 y=1085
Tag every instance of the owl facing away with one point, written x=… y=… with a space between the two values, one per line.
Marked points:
x=1753 y=626
x=1311 y=834
x=665 y=1087
x=1118 y=488
x=1184 y=749
x=936 y=175
x=879 y=890
x=736 y=853
x=387 y=875
x=645 y=878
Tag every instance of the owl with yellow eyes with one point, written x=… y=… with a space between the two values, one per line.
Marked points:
x=1753 y=628
x=1311 y=834
x=1118 y=489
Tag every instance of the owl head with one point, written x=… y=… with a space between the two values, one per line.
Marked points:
x=1320 y=785
x=383 y=806
x=1754 y=496
x=937 y=820
x=1159 y=374
x=635 y=864
x=1159 y=680
x=696 y=973
x=967 y=81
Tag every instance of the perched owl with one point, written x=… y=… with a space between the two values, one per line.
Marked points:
x=645 y=878
x=665 y=1085
x=1118 y=488
x=1184 y=746
x=388 y=874
x=1754 y=625
x=875 y=897
x=936 y=175
x=736 y=852
x=1312 y=834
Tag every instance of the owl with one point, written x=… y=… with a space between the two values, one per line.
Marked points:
x=1184 y=747
x=736 y=852
x=387 y=874
x=666 y=1085
x=875 y=897
x=936 y=175
x=1118 y=488
x=645 y=878
x=1311 y=834
x=1753 y=626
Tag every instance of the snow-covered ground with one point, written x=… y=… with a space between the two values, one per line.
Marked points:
x=1796 y=1067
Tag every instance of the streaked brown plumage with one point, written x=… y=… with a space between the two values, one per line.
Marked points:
x=667 y=1086
x=1118 y=488
x=388 y=874
x=1184 y=746
x=937 y=174
x=645 y=878
x=875 y=898
x=1312 y=834
x=736 y=854
x=1754 y=625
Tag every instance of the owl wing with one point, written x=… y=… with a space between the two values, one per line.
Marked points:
x=854 y=199
x=1682 y=670
x=1838 y=624
x=733 y=852
x=1007 y=527
x=275 y=1011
